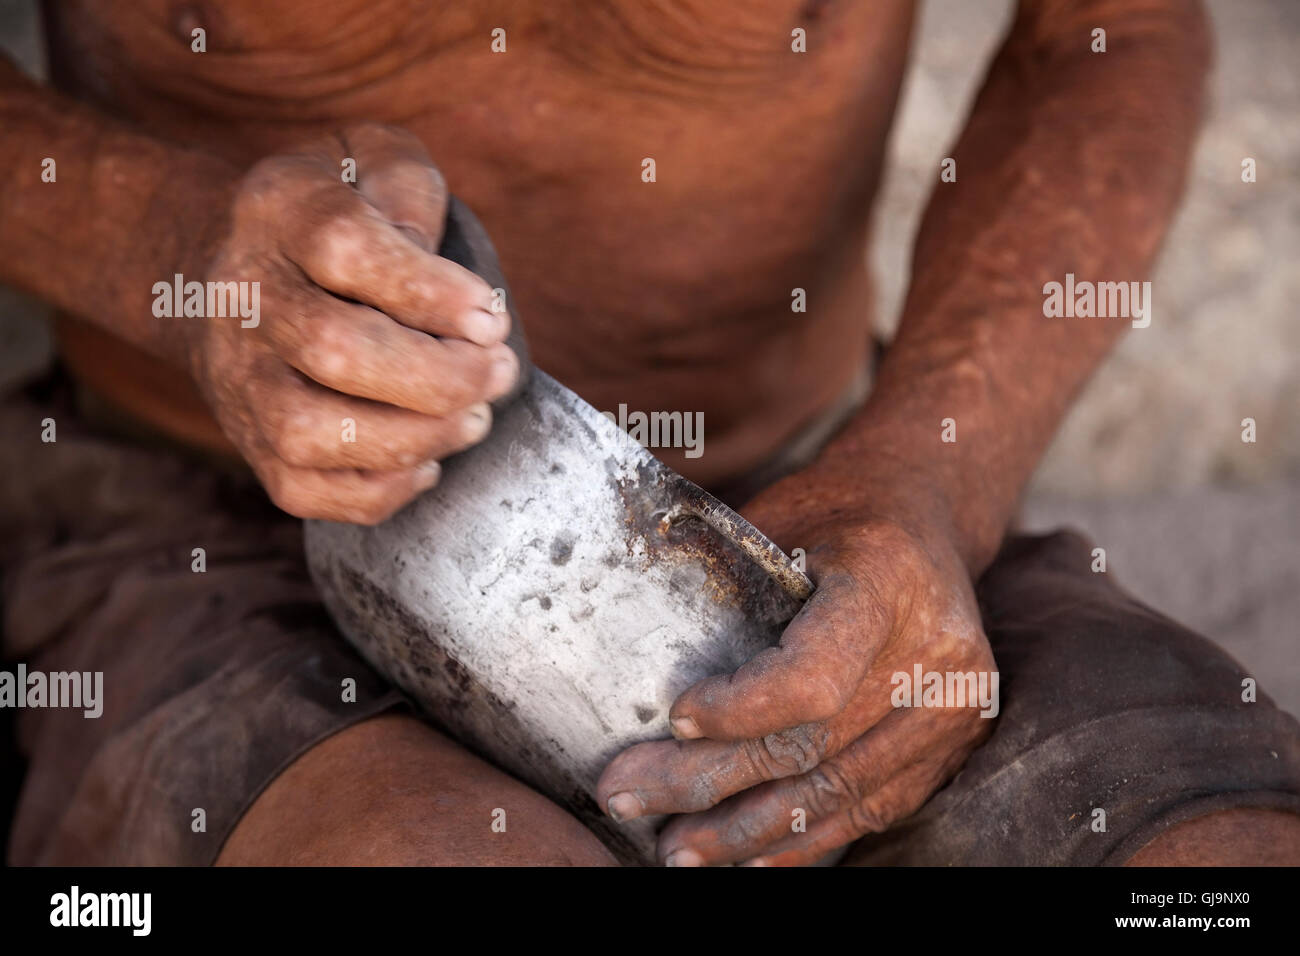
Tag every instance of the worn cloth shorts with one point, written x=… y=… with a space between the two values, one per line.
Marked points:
x=188 y=590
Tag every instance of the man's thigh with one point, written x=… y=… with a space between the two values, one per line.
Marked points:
x=233 y=713
x=186 y=590
x=1119 y=730
x=394 y=791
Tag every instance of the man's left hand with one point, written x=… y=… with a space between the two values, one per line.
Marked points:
x=802 y=751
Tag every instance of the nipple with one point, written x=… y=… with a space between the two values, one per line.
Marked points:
x=187 y=18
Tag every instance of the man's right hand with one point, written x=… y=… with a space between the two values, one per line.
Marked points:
x=360 y=320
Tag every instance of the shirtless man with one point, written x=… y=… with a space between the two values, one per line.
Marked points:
x=207 y=139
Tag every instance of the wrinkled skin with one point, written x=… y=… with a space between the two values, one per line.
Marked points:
x=809 y=725
x=357 y=297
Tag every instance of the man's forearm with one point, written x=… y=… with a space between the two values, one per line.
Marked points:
x=1072 y=162
x=117 y=212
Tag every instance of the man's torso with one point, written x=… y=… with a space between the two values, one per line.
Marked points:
x=667 y=295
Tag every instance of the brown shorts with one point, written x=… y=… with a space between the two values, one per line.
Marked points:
x=215 y=680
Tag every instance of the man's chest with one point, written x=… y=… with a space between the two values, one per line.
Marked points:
x=703 y=150
x=252 y=62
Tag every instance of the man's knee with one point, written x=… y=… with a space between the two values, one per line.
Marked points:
x=1116 y=726
x=1241 y=837
x=393 y=791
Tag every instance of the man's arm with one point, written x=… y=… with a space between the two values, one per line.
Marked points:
x=1072 y=162
x=357 y=319
x=123 y=211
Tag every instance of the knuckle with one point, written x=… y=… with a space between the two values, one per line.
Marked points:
x=340 y=241
x=744 y=830
x=378 y=509
x=422 y=288
x=396 y=455
x=294 y=445
x=327 y=353
x=824 y=790
x=788 y=752
x=332 y=335
x=760 y=761
x=267 y=185
x=868 y=816
x=430 y=444
x=805 y=745
x=269 y=174
x=825 y=699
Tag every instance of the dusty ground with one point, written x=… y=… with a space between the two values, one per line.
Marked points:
x=1150 y=463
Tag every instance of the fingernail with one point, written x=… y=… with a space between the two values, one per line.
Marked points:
x=504 y=372
x=684 y=728
x=484 y=327
x=684 y=858
x=502 y=318
x=428 y=474
x=478 y=419
x=623 y=806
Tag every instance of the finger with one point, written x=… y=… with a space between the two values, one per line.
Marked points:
x=355 y=350
x=671 y=776
x=346 y=495
x=810 y=676
x=896 y=800
x=357 y=254
x=309 y=426
x=674 y=776
x=741 y=827
x=397 y=177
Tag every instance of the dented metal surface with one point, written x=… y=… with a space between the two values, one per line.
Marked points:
x=553 y=595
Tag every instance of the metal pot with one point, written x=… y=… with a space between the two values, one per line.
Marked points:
x=557 y=590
